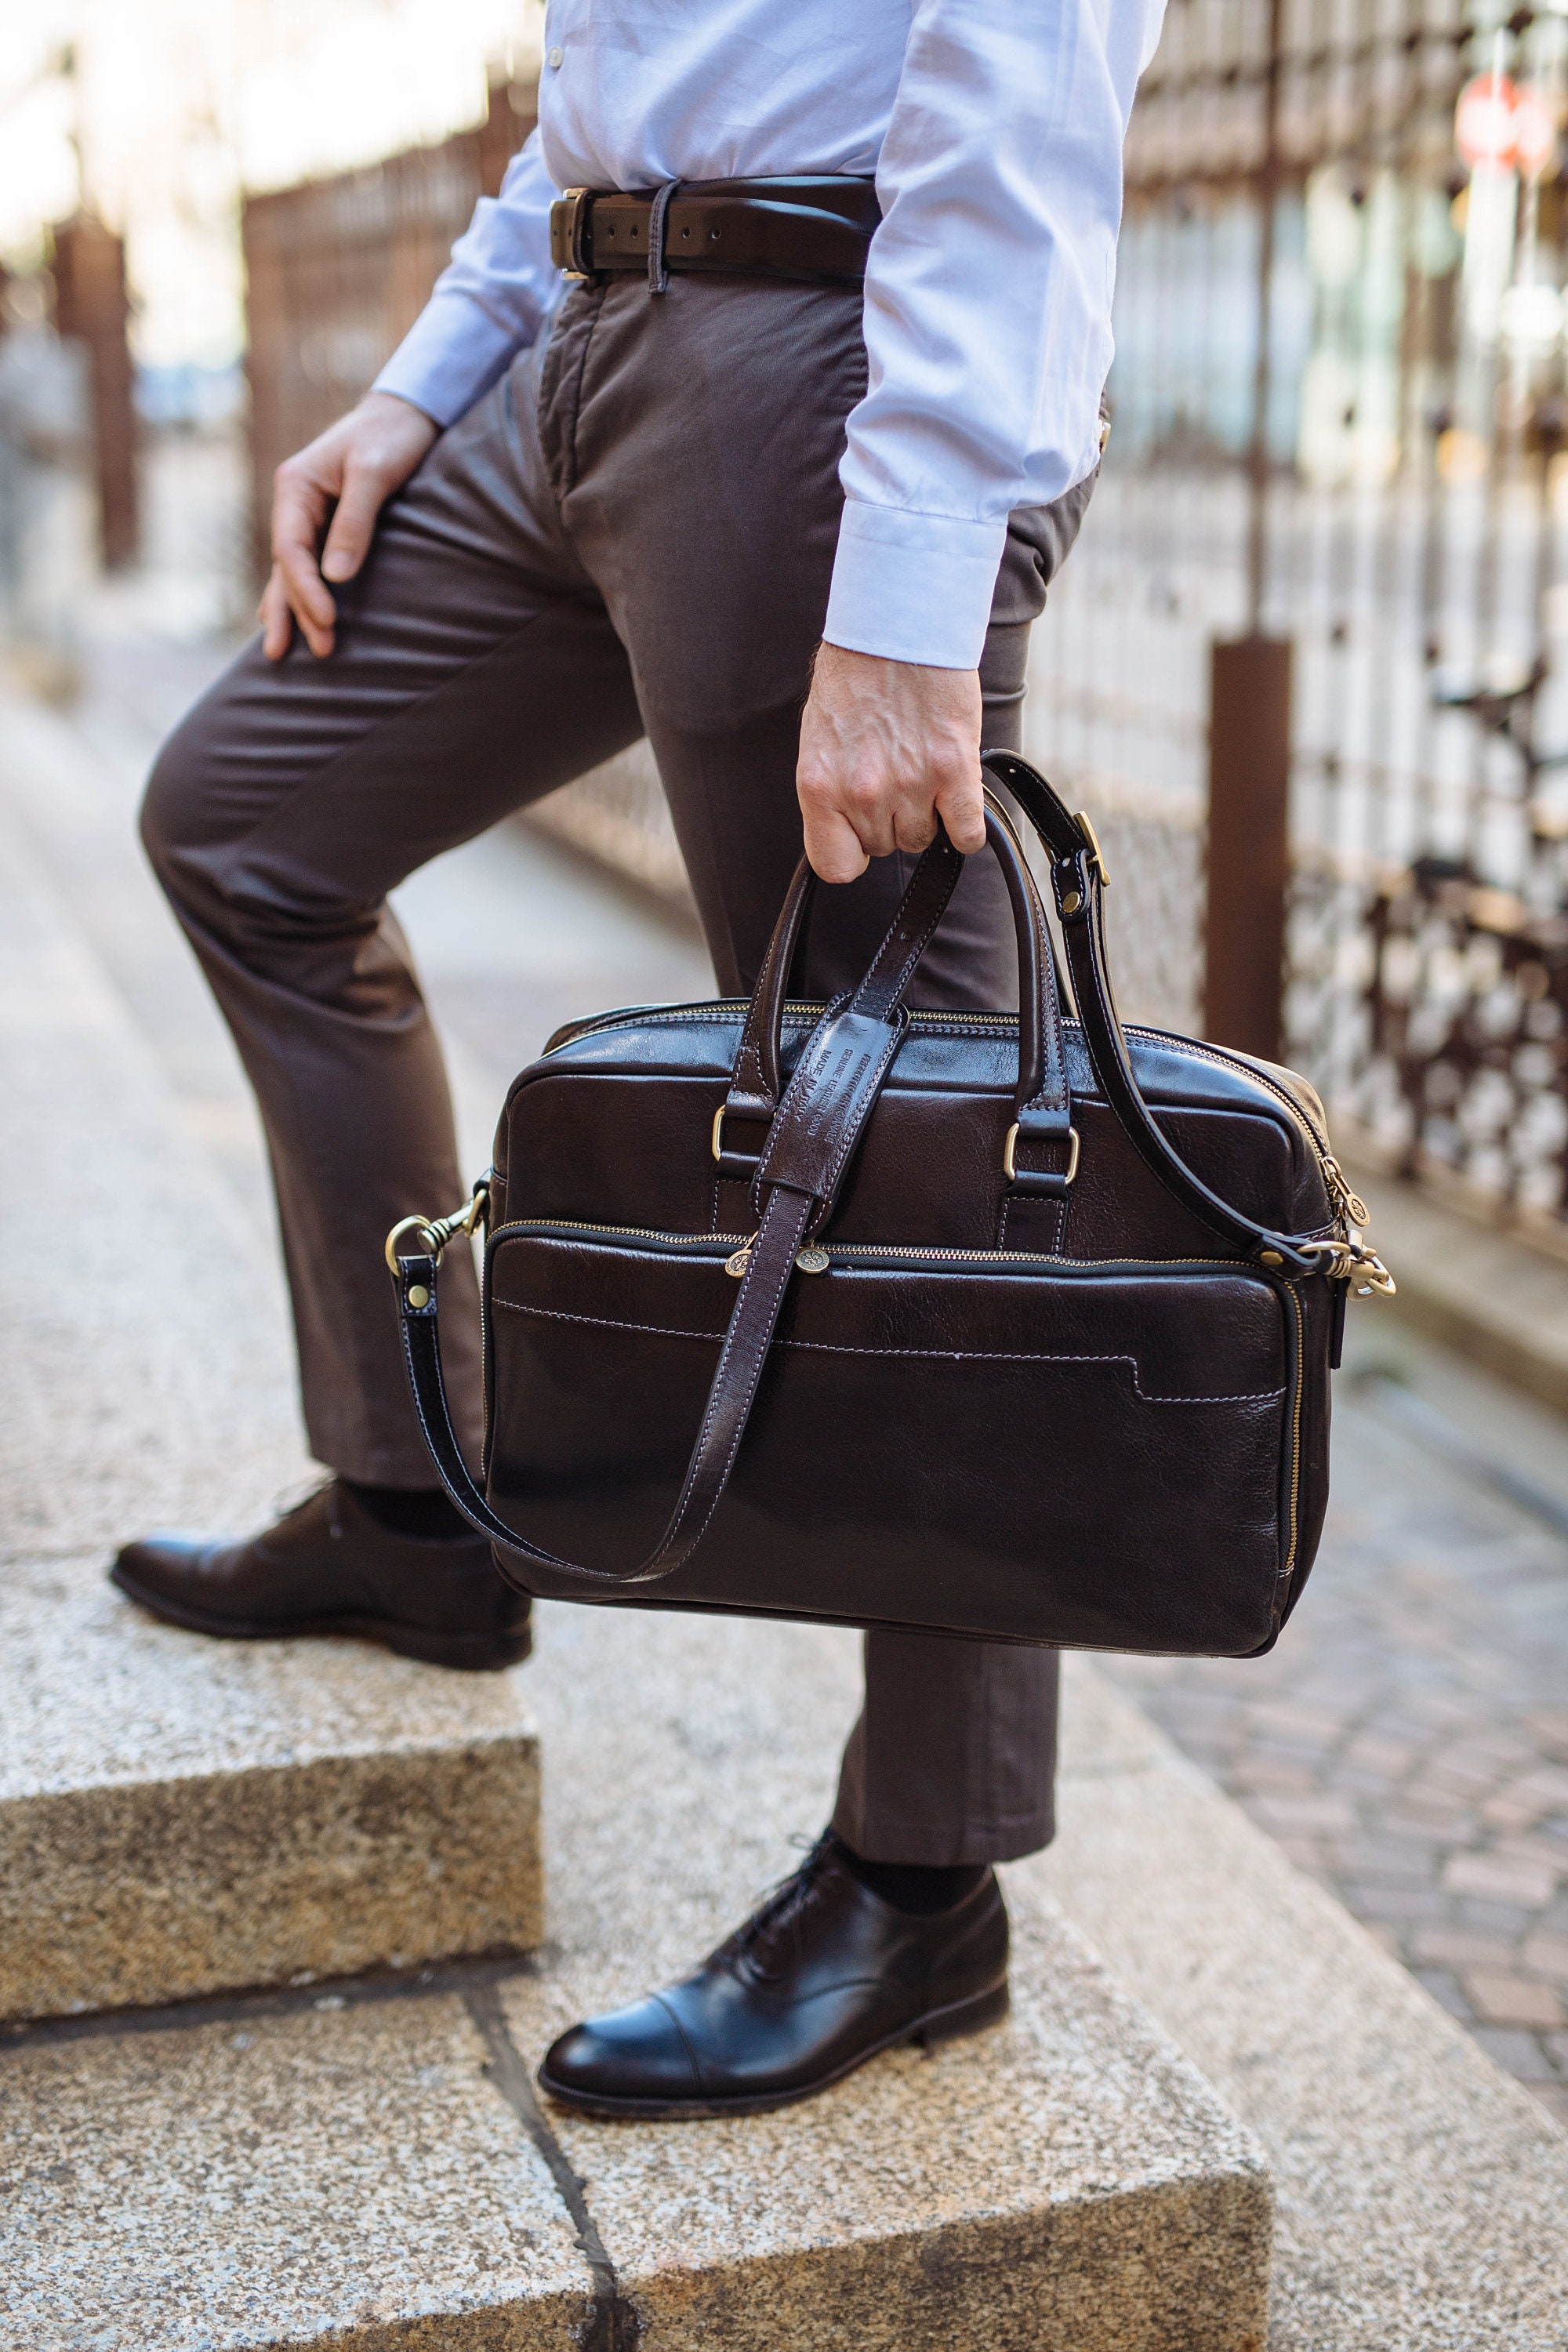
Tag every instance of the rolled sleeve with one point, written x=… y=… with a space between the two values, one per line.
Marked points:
x=454 y=352
x=489 y=304
x=913 y=587
x=987 y=308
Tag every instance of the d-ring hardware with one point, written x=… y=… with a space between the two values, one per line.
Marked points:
x=1009 y=1149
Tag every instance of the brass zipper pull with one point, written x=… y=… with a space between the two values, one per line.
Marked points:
x=738 y=1260
x=1350 y=1206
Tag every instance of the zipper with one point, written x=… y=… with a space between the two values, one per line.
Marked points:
x=1299 y=1385
x=1348 y=1207
x=822 y=1255
x=826 y=1254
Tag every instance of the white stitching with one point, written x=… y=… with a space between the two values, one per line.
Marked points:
x=936 y=1355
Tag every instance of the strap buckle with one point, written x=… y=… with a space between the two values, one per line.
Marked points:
x=1092 y=843
x=569 y=235
x=739 y=1166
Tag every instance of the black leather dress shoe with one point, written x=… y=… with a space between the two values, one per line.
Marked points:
x=824 y=1975
x=328 y=1566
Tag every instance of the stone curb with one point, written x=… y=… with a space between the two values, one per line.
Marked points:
x=176 y=1814
x=1478 y=1290
x=369 y=2168
x=1421 y=2191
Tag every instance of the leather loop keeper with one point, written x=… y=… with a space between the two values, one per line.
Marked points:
x=658 y=268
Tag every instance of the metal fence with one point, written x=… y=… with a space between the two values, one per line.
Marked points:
x=338 y=269
x=1379 y=482
x=1340 y=446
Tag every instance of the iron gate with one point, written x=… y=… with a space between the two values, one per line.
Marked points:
x=1379 y=482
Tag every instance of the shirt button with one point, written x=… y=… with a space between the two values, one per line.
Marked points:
x=556 y=58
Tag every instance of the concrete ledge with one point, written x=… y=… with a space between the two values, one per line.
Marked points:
x=1065 y=2179
x=374 y=2171
x=177 y=1814
x=345 y=2178
x=1422 y=2193
x=1478 y=1289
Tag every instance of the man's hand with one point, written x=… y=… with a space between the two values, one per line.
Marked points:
x=886 y=748
x=358 y=462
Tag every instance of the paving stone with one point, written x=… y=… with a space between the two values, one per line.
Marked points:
x=1502 y=1999
x=1462 y=1946
x=1518 y=2052
x=1296 y=1813
x=1495 y=1878
x=1547 y=1955
x=1493 y=1918
x=1421 y=2192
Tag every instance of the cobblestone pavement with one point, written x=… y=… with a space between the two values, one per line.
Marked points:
x=1406 y=1742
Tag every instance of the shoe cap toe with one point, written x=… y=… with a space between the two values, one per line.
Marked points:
x=630 y=2053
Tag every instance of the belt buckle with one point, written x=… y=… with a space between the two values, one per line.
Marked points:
x=569 y=235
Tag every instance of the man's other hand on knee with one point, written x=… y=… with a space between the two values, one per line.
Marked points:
x=348 y=472
x=886 y=748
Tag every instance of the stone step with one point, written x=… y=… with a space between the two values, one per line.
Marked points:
x=1423 y=2195
x=367 y=2166
x=178 y=1815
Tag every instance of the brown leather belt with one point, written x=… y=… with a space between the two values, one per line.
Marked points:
x=811 y=229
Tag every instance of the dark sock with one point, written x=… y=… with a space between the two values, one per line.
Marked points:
x=919 y=1887
x=423 y=1511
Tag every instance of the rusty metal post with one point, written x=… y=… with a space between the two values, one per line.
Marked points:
x=92 y=306
x=1248 y=843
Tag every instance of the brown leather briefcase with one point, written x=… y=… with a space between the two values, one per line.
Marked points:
x=1015 y=1327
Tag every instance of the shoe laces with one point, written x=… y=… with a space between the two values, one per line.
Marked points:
x=290 y=1500
x=769 y=1938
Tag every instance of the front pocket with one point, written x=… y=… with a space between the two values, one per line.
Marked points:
x=1025 y=1448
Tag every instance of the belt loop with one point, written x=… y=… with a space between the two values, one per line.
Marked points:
x=657 y=275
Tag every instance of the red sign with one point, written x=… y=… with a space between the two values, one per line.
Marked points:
x=1496 y=123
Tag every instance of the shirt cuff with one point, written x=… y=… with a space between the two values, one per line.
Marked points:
x=452 y=353
x=913 y=587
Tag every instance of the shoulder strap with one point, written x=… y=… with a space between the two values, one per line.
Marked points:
x=746 y=1343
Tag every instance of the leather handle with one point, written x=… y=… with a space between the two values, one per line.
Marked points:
x=1041 y=1106
x=1078 y=879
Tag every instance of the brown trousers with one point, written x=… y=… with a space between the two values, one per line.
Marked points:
x=633 y=533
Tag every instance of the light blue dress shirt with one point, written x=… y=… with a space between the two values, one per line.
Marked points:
x=994 y=131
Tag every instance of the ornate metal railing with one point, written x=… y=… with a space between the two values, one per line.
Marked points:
x=1380 y=480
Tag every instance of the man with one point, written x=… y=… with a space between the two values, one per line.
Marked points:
x=754 y=457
